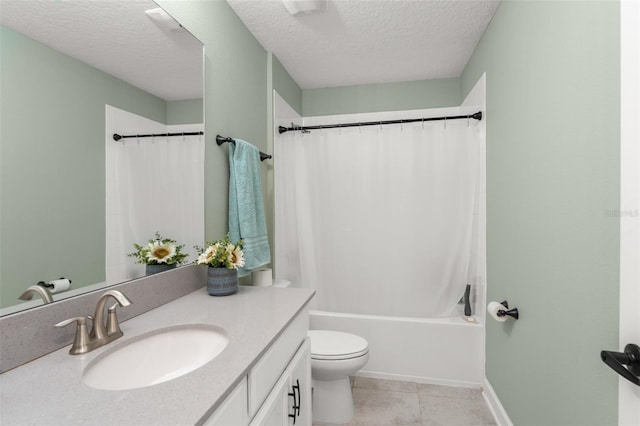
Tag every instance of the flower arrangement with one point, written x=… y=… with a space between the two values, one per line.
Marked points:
x=222 y=254
x=159 y=251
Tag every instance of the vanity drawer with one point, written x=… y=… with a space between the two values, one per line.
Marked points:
x=266 y=372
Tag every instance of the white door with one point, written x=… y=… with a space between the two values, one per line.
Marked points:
x=629 y=393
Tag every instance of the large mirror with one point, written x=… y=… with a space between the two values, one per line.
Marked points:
x=62 y=63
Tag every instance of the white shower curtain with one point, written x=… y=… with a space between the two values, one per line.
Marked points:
x=158 y=186
x=379 y=220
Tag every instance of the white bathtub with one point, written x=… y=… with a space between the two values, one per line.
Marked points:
x=446 y=351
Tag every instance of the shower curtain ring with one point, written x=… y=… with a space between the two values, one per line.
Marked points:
x=423 y=123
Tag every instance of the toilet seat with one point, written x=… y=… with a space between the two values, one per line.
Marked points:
x=336 y=345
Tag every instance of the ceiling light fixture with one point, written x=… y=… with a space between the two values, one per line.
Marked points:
x=305 y=6
x=163 y=20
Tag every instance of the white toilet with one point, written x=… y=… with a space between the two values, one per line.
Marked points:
x=334 y=356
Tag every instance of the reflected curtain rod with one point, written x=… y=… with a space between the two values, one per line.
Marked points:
x=221 y=139
x=476 y=116
x=117 y=137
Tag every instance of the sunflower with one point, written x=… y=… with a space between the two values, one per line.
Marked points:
x=222 y=254
x=236 y=256
x=160 y=252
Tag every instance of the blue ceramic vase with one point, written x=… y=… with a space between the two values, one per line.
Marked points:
x=222 y=281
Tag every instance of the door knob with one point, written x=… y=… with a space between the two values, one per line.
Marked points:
x=630 y=357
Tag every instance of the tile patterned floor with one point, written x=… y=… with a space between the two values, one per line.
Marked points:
x=389 y=403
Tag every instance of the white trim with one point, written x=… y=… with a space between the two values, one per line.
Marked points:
x=498 y=411
x=478 y=96
x=417 y=379
x=629 y=394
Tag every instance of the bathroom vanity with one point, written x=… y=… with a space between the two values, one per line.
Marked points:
x=262 y=376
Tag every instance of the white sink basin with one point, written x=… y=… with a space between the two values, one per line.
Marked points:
x=156 y=357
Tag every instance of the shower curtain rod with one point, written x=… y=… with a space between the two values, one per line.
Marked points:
x=221 y=139
x=117 y=137
x=476 y=116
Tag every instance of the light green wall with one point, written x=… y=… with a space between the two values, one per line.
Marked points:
x=52 y=110
x=552 y=171
x=185 y=112
x=235 y=95
x=381 y=97
x=286 y=86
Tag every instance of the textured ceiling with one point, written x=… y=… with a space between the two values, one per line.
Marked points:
x=369 y=41
x=117 y=37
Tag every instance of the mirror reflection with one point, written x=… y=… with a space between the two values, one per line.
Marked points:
x=73 y=201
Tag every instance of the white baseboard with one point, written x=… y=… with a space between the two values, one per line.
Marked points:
x=417 y=379
x=498 y=411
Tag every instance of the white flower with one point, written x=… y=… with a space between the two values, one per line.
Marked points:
x=236 y=257
x=161 y=252
x=212 y=250
x=203 y=259
x=222 y=254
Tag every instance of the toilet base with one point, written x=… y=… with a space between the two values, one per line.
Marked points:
x=332 y=401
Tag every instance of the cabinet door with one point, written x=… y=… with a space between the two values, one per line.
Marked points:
x=272 y=365
x=233 y=410
x=275 y=409
x=300 y=385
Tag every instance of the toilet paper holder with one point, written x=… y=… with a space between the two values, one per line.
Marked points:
x=49 y=285
x=513 y=313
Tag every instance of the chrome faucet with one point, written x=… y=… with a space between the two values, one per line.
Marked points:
x=40 y=291
x=101 y=334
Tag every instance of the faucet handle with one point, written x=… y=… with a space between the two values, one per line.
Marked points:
x=80 y=320
x=81 y=341
x=113 y=326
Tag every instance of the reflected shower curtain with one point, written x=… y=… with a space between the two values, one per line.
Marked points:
x=379 y=220
x=158 y=185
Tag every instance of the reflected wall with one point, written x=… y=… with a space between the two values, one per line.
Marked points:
x=52 y=162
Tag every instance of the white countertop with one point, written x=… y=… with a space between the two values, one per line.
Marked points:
x=50 y=390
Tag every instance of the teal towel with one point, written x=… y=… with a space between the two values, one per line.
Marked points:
x=246 y=208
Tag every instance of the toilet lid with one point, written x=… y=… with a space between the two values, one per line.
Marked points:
x=327 y=344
